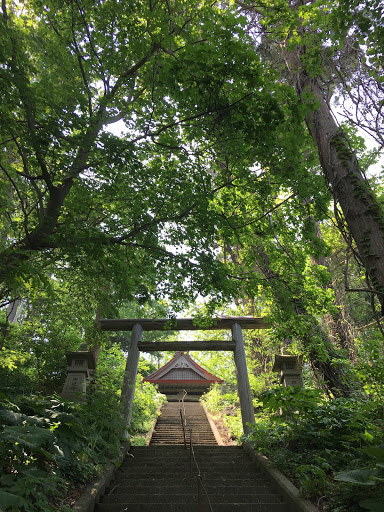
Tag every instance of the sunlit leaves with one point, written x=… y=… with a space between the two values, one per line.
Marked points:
x=117 y=205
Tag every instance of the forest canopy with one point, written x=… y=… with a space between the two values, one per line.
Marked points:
x=160 y=156
x=156 y=153
x=137 y=137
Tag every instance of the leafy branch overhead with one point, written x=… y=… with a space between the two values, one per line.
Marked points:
x=137 y=138
x=74 y=182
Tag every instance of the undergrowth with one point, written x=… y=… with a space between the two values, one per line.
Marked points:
x=330 y=448
x=50 y=446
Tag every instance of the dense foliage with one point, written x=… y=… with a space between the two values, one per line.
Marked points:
x=47 y=443
x=319 y=442
x=332 y=449
x=50 y=447
x=155 y=153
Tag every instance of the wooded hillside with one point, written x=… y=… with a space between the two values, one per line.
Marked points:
x=161 y=157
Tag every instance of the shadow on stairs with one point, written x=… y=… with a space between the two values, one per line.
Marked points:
x=161 y=478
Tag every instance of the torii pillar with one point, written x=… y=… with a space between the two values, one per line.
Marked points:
x=138 y=324
x=243 y=386
x=130 y=375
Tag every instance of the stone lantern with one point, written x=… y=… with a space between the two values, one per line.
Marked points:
x=81 y=365
x=290 y=369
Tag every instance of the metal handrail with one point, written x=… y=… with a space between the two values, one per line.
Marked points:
x=184 y=418
x=192 y=458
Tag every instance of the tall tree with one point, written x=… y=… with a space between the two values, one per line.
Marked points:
x=307 y=35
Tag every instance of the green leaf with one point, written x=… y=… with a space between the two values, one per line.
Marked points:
x=375 y=451
x=373 y=504
x=10 y=417
x=357 y=476
x=11 y=500
x=29 y=436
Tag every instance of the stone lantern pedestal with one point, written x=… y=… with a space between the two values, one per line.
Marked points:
x=81 y=365
x=289 y=368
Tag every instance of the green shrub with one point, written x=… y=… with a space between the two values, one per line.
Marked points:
x=145 y=406
x=48 y=444
x=315 y=441
x=226 y=405
x=371 y=476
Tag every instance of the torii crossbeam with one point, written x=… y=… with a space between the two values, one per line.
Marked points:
x=182 y=324
x=137 y=325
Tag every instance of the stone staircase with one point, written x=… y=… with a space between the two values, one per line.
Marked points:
x=168 y=430
x=159 y=478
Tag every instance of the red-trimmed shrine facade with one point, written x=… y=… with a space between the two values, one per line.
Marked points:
x=182 y=373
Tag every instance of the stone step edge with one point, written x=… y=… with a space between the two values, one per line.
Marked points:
x=213 y=498
x=240 y=507
x=288 y=491
x=92 y=493
x=202 y=414
x=87 y=501
x=212 y=424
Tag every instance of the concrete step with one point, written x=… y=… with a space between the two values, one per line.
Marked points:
x=192 y=507
x=217 y=449
x=172 y=436
x=118 y=486
x=184 y=480
x=186 y=488
x=197 y=441
x=170 y=422
x=177 y=475
x=163 y=441
x=184 y=456
x=168 y=429
x=185 y=499
x=177 y=454
x=157 y=478
x=179 y=433
x=179 y=441
x=204 y=465
x=173 y=449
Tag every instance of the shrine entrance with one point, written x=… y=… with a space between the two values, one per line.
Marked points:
x=182 y=378
x=236 y=345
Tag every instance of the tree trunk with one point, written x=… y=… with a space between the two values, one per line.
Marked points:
x=338 y=325
x=328 y=375
x=362 y=212
x=320 y=359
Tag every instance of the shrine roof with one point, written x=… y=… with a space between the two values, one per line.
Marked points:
x=182 y=361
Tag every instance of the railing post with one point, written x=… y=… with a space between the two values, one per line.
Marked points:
x=243 y=386
x=190 y=455
x=199 y=495
x=130 y=375
x=183 y=427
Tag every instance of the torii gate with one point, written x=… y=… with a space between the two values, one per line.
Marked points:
x=137 y=325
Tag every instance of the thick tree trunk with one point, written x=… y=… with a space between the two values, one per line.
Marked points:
x=339 y=326
x=321 y=359
x=339 y=334
x=363 y=214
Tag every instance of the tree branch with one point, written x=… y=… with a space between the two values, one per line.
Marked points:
x=165 y=127
x=79 y=60
x=23 y=209
x=162 y=251
x=268 y=212
x=156 y=221
x=364 y=290
x=4 y=9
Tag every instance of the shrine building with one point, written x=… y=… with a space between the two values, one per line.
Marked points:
x=182 y=373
